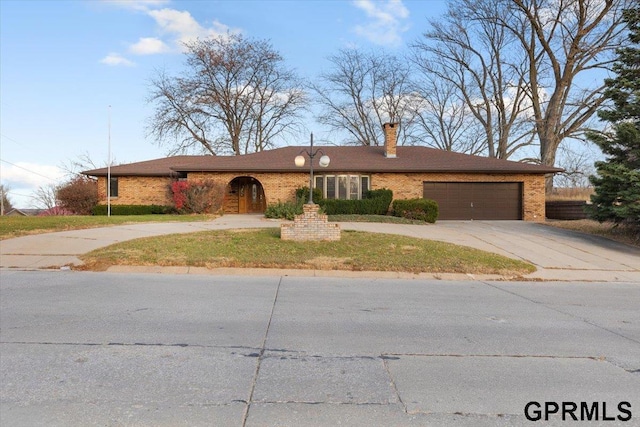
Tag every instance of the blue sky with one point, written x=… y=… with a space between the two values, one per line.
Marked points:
x=63 y=63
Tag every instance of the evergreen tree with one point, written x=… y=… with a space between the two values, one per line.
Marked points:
x=617 y=184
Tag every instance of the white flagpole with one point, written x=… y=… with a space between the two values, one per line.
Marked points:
x=109 y=167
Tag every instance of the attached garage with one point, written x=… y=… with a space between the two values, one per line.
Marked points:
x=476 y=200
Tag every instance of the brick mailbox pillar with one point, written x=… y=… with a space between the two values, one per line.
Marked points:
x=311 y=225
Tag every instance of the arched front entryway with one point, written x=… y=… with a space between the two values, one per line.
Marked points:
x=244 y=195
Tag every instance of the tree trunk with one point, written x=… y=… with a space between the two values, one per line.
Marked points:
x=548 y=147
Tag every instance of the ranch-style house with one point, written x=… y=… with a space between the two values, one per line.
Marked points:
x=466 y=187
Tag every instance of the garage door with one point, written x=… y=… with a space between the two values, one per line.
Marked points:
x=476 y=200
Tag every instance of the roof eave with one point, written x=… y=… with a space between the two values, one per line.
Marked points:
x=119 y=174
x=371 y=171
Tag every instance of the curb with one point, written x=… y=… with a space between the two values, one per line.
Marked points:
x=224 y=271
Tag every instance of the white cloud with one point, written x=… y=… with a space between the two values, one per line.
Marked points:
x=148 y=46
x=136 y=4
x=175 y=21
x=176 y=27
x=115 y=59
x=30 y=175
x=183 y=27
x=386 y=21
x=24 y=178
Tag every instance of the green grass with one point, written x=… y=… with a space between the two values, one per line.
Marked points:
x=356 y=251
x=16 y=226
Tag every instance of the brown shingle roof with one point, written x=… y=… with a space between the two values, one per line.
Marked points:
x=343 y=159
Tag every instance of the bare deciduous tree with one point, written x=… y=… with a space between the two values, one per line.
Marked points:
x=578 y=164
x=527 y=67
x=469 y=51
x=235 y=96
x=82 y=162
x=442 y=120
x=46 y=196
x=361 y=92
x=565 y=40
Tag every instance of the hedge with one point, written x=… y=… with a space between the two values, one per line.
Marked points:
x=375 y=202
x=134 y=210
x=420 y=209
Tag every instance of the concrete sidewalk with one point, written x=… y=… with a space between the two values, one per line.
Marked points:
x=557 y=254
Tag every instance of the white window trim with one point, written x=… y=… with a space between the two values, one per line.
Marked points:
x=348 y=177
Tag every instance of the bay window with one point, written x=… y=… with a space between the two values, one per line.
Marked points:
x=345 y=187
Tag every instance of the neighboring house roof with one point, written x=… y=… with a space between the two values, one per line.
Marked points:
x=364 y=159
x=15 y=212
x=23 y=212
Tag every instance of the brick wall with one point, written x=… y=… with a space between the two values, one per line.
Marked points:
x=282 y=187
x=138 y=190
x=409 y=186
x=278 y=187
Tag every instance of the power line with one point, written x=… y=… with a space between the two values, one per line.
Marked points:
x=11 y=193
x=25 y=169
x=10 y=139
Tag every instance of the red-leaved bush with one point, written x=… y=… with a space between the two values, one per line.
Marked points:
x=197 y=197
x=179 y=192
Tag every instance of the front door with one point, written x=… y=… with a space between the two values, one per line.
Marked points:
x=245 y=195
x=255 y=198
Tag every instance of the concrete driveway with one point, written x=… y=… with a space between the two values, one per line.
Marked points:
x=558 y=254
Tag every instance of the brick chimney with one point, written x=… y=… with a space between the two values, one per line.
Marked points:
x=390 y=138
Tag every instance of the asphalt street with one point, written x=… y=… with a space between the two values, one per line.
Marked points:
x=112 y=349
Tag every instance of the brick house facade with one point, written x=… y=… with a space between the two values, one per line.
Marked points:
x=271 y=176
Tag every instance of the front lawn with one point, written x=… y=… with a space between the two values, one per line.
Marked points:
x=356 y=251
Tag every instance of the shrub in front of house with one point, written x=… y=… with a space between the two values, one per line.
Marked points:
x=80 y=195
x=289 y=210
x=375 y=202
x=197 y=197
x=283 y=210
x=134 y=210
x=418 y=209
